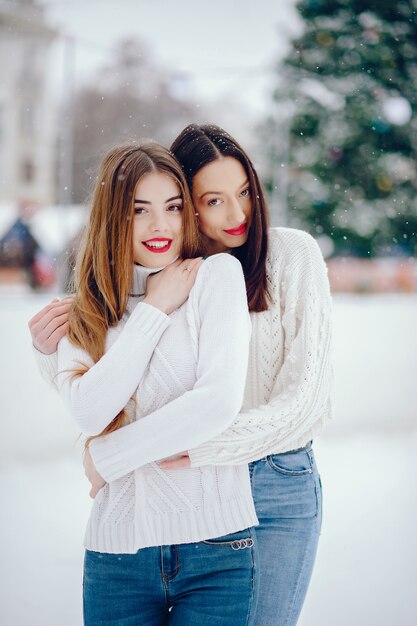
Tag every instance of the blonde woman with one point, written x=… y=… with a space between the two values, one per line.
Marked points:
x=152 y=361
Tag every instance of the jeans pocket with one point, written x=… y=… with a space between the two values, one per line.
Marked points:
x=236 y=541
x=297 y=463
x=285 y=486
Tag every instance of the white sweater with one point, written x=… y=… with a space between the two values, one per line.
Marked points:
x=186 y=373
x=289 y=382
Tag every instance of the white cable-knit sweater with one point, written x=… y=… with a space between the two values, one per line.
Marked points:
x=288 y=389
x=186 y=373
x=289 y=384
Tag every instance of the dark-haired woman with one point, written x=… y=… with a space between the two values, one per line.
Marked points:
x=287 y=397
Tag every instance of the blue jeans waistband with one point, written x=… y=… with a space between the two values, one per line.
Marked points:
x=306 y=447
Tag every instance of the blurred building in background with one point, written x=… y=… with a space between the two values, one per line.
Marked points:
x=27 y=111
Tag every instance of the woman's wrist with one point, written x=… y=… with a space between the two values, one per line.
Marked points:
x=157 y=304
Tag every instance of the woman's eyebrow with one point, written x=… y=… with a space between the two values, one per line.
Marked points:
x=138 y=201
x=206 y=192
x=220 y=192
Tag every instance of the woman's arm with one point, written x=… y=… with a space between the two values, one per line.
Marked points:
x=166 y=290
x=47 y=328
x=47 y=365
x=219 y=302
x=96 y=397
x=300 y=398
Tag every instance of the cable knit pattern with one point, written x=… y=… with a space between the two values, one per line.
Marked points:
x=186 y=373
x=288 y=390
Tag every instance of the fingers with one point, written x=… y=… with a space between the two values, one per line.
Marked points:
x=48 y=331
x=48 y=313
x=181 y=265
x=49 y=310
x=57 y=335
x=193 y=269
x=95 y=488
x=171 y=266
x=182 y=461
x=52 y=316
x=178 y=464
x=36 y=318
x=187 y=264
x=55 y=323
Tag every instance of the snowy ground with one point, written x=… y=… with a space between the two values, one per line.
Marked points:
x=366 y=571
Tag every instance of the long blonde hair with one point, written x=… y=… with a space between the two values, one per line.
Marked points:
x=104 y=266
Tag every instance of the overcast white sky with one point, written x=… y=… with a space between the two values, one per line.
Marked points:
x=227 y=48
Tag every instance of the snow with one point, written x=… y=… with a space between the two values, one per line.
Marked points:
x=366 y=570
x=324 y=96
x=397 y=110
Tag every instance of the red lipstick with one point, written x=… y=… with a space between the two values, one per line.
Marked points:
x=239 y=230
x=158 y=246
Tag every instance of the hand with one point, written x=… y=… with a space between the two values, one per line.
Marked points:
x=49 y=325
x=169 y=289
x=182 y=461
x=96 y=480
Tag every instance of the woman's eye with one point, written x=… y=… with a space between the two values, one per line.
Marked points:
x=245 y=192
x=214 y=202
x=139 y=210
x=175 y=207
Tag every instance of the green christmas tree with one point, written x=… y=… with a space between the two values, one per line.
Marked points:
x=351 y=79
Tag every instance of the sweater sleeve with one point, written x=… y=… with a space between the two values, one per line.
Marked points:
x=96 y=397
x=301 y=396
x=47 y=365
x=218 y=308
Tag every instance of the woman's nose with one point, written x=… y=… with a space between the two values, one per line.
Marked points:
x=236 y=212
x=159 y=223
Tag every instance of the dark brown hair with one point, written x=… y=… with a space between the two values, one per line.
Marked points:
x=197 y=146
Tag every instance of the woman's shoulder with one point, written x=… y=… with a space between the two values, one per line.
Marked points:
x=293 y=255
x=219 y=263
x=220 y=273
x=289 y=242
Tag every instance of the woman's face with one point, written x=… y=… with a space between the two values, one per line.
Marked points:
x=222 y=198
x=157 y=226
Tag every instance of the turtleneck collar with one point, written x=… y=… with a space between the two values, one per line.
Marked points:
x=140 y=276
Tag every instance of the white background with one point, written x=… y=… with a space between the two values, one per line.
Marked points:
x=227 y=49
x=366 y=572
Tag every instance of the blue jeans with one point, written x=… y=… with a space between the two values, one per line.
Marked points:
x=209 y=583
x=287 y=493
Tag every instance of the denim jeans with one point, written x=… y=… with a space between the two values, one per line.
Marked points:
x=210 y=583
x=287 y=493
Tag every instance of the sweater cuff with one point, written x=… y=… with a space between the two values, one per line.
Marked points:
x=203 y=455
x=47 y=363
x=148 y=320
x=107 y=458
